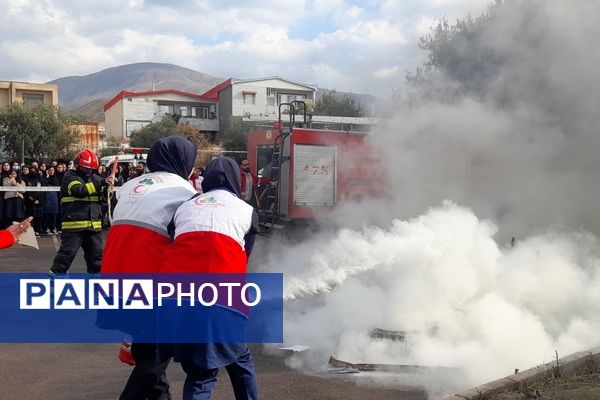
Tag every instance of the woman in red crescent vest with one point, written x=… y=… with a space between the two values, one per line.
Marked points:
x=214 y=233
x=138 y=238
x=146 y=205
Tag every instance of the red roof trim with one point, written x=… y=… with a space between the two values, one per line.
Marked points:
x=213 y=94
x=122 y=94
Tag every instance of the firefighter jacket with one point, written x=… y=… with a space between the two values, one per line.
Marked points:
x=81 y=201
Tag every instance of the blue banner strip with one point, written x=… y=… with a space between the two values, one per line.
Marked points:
x=159 y=308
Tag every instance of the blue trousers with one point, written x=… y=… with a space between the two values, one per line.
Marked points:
x=200 y=382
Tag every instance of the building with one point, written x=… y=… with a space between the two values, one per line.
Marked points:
x=129 y=111
x=256 y=99
x=89 y=135
x=30 y=94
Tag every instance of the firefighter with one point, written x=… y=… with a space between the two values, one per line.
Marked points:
x=81 y=204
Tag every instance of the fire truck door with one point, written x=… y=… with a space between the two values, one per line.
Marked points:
x=314 y=175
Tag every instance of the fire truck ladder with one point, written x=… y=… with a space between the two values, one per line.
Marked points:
x=277 y=158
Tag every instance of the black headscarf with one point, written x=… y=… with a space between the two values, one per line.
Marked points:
x=224 y=173
x=173 y=154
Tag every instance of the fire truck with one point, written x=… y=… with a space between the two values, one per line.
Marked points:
x=305 y=168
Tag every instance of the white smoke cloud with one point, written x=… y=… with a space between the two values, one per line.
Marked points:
x=466 y=302
x=516 y=157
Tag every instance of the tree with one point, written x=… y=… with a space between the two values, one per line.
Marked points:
x=150 y=133
x=113 y=147
x=334 y=104
x=463 y=60
x=234 y=138
x=42 y=131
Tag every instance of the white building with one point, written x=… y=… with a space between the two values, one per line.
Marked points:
x=129 y=111
x=257 y=99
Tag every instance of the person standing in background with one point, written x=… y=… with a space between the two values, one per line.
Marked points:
x=14 y=205
x=33 y=200
x=196 y=179
x=103 y=173
x=119 y=176
x=43 y=173
x=51 y=204
x=140 y=169
x=60 y=171
x=249 y=184
x=3 y=174
x=5 y=170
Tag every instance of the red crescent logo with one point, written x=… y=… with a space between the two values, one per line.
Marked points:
x=135 y=189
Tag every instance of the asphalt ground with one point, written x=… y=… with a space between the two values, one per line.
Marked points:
x=92 y=371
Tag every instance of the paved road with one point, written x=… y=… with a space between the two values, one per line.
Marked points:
x=92 y=371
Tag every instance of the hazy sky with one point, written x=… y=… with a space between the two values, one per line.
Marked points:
x=361 y=46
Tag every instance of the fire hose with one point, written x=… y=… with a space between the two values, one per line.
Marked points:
x=111 y=189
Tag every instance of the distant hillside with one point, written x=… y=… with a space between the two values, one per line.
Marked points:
x=77 y=91
x=94 y=110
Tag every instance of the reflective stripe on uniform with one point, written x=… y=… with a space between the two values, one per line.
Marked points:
x=66 y=225
x=90 y=188
x=71 y=185
x=70 y=199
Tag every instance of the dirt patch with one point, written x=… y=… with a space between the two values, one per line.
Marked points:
x=583 y=386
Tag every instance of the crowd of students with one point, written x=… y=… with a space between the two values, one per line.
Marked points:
x=44 y=206
x=18 y=204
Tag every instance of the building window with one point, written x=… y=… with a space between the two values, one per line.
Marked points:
x=184 y=111
x=249 y=98
x=270 y=101
x=32 y=99
x=200 y=112
x=165 y=109
x=288 y=98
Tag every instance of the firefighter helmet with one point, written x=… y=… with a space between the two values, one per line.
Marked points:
x=86 y=159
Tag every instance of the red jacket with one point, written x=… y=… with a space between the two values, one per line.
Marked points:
x=138 y=237
x=6 y=239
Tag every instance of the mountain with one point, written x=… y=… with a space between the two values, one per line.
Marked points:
x=77 y=91
x=94 y=110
